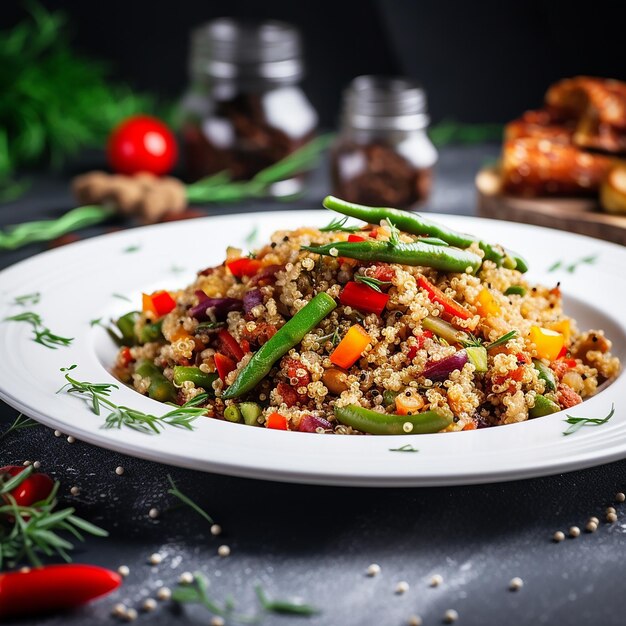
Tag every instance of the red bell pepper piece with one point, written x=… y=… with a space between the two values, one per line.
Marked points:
x=449 y=305
x=354 y=238
x=160 y=303
x=53 y=588
x=230 y=345
x=224 y=365
x=33 y=489
x=360 y=296
x=277 y=421
x=244 y=267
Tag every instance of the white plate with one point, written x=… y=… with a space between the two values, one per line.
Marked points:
x=84 y=281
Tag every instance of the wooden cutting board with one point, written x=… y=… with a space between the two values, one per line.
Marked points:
x=576 y=215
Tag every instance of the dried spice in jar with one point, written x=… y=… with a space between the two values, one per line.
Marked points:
x=383 y=155
x=244 y=110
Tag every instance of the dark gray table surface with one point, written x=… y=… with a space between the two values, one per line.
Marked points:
x=316 y=542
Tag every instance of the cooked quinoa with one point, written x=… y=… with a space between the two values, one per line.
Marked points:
x=305 y=387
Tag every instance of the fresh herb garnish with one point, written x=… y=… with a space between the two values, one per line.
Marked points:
x=405 y=448
x=96 y=322
x=34 y=529
x=339 y=226
x=177 y=493
x=394 y=233
x=251 y=237
x=177 y=269
x=21 y=422
x=572 y=267
x=29 y=298
x=198 y=593
x=201 y=398
x=98 y=395
x=120 y=296
x=578 y=422
x=284 y=606
x=477 y=342
x=332 y=337
x=374 y=283
x=41 y=334
x=210 y=325
x=131 y=249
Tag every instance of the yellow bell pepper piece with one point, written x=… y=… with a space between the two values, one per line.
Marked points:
x=548 y=343
x=487 y=305
x=350 y=347
x=564 y=327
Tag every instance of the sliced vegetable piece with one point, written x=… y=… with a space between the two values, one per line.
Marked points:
x=363 y=298
x=195 y=375
x=487 y=305
x=389 y=397
x=369 y=421
x=449 y=305
x=477 y=356
x=244 y=267
x=408 y=404
x=232 y=413
x=445 y=330
x=564 y=327
x=351 y=347
x=276 y=421
x=440 y=370
x=548 y=343
x=159 y=303
x=126 y=326
x=230 y=345
x=224 y=365
x=545 y=374
x=250 y=411
x=543 y=406
x=160 y=388
x=515 y=290
x=151 y=332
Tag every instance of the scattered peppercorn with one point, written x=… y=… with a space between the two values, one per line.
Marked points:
x=164 y=593
x=71 y=439
x=186 y=578
x=591 y=527
x=574 y=531
x=436 y=580
x=149 y=604
x=620 y=497
x=119 y=470
x=153 y=513
x=373 y=569
x=402 y=587
x=223 y=551
x=216 y=530
x=558 y=536
x=155 y=559
x=516 y=584
x=123 y=570
x=450 y=616
x=611 y=518
x=75 y=490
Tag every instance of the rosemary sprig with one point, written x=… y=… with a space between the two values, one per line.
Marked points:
x=405 y=448
x=198 y=593
x=394 y=233
x=26 y=532
x=284 y=606
x=252 y=236
x=28 y=299
x=449 y=132
x=339 y=226
x=41 y=334
x=177 y=493
x=374 y=283
x=332 y=337
x=572 y=267
x=97 y=394
x=577 y=423
x=477 y=342
x=21 y=422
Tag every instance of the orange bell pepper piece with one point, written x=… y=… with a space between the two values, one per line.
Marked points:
x=277 y=421
x=436 y=295
x=548 y=343
x=487 y=305
x=351 y=347
x=159 y=303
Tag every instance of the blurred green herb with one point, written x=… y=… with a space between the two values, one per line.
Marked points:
x=54 y=101
x=450 y=132
x=177 y=493
x=575 y=423
x=20 y=423
x=41 y=334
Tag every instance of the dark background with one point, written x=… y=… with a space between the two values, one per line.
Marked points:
x=480 y=62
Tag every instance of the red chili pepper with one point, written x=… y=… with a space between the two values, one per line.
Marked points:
x=436 y=295
x=33 y=489
x=244 y=267
x=363 y=298
x=224 y=365
x=53 y=588
x=229 y=345
x=126 y=355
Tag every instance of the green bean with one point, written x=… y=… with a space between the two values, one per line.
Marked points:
x=375 y=423
x=442 y=258
x=477 y=356
x=250 y=411
x=516 y=290
x=545 y=374
x=389 y=397
x=232 y=413
x=195 y=375
x=151 y=331
x=126 y=325
x=445 y=330
x=543 y=406
x=160 y=388
x=416 y=224
x=290 y=335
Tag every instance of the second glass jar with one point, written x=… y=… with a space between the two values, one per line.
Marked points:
x=383 y=156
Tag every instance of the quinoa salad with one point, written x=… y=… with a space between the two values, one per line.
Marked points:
x=391 y=325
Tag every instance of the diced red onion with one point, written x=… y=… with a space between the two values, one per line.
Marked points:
x=440 y=370
x=267 y=273
x=310 y=424
x=220 y=306
x=251 y=299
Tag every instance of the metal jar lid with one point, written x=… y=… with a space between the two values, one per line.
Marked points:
x=385 y=103
x=229 y=49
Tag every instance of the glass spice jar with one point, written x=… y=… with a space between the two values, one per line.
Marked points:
x=383 y=156
x=244 y=109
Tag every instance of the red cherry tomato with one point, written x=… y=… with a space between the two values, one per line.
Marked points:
x=142 y=144
x=35 y=488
